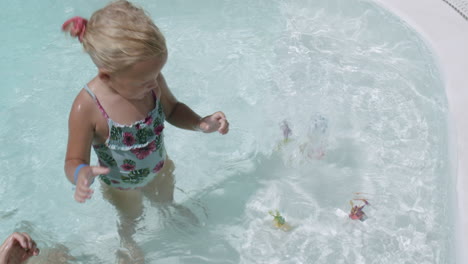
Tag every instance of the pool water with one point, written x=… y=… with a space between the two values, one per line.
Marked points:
x=263 y=63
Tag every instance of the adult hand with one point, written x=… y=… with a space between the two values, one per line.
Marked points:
x=214 y=122
x=17 y=248
x=86 y=177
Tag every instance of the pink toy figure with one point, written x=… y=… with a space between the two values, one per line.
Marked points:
x=356 y=211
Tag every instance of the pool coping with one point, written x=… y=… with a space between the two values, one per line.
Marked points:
x=446 y=32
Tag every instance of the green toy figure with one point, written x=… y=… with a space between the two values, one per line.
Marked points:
x=279 y=221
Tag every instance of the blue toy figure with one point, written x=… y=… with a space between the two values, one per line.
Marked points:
x=317 y=137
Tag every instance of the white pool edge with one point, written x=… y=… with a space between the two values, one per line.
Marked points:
x=446 y=31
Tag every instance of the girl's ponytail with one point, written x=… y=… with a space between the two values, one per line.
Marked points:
x=76 y=26
x=117 y=36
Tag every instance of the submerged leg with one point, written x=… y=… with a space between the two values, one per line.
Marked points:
x=130 y=208
x=160 y=192
x=161 y=188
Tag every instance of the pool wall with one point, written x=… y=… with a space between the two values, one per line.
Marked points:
x=446 y=32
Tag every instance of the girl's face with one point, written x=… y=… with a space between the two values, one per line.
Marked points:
x=137 y=81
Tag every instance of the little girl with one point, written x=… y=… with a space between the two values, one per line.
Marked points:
x=120 y=113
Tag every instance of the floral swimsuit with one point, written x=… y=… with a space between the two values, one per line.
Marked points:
x=134 y=153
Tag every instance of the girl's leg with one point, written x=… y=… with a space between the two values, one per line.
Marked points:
x=161 y=188
x=130 y=208
x=160 y=192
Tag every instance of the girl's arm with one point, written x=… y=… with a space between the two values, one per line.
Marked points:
x=81 y=128
x=80 y=134
x=180 y=115
x=177 y=114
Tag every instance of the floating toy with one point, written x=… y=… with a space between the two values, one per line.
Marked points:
x=356 y=211
x=286 y=131
x=279 y=221
x=312 y=143
x=316 y=137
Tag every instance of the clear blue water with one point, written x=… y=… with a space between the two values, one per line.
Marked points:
x=261 y=62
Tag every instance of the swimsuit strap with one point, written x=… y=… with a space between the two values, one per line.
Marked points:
x=97 y=101
x=90 y=92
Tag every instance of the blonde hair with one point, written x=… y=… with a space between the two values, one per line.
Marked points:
x=120 y=35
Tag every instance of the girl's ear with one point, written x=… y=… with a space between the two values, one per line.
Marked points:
x=104 y=75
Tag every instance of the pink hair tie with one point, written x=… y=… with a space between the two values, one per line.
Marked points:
x=77 y=27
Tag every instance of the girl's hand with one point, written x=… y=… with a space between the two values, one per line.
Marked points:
x=17 y=248
x=214 y=122
x=86 y=177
